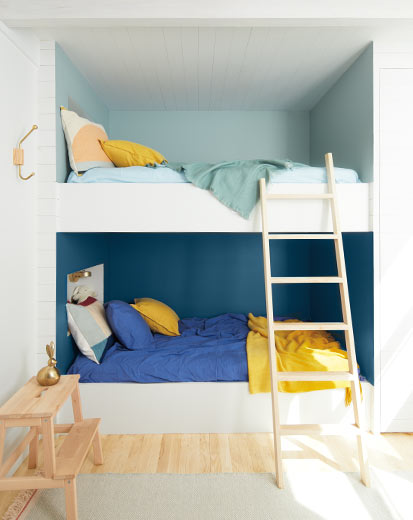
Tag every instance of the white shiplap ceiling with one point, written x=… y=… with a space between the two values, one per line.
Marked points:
x=210 y=68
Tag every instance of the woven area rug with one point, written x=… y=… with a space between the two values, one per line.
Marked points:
x=229 y=496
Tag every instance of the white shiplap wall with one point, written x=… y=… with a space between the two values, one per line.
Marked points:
x=46 y=202
x=19 y=65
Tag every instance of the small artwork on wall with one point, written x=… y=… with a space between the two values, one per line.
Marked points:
x=92 y=282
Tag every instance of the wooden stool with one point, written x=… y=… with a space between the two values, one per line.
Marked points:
x=35 y=406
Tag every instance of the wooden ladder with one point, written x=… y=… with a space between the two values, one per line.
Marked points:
x=352 y=375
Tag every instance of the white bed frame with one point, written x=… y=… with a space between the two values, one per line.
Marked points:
x=207 y=407
x=185 y=208
x=204 y=407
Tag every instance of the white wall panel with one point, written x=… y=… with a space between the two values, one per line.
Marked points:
x=206 y=407
x=18 y=112
x=46 y=204
x=174 y=202
x=396 y=248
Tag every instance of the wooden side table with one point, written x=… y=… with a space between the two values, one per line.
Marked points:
x=36 y=406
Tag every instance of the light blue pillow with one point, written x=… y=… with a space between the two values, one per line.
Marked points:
x=128 y=325
x=89 y=329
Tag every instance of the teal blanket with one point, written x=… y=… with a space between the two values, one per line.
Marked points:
x=234 y=183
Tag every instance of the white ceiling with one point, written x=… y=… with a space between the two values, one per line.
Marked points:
x=210 y=68
x=214 y=54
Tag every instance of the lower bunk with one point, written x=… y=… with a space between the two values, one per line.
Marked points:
x=207 y=376
x=198 y=381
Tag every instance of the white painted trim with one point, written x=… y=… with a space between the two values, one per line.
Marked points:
x=46 y=204
x=205 y=407
x=12 y=36
x=186 y=208
x=393 y=60
x=376 y=406
x=43 y=24
x=384 y=61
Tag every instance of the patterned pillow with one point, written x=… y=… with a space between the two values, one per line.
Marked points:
x=82 y=139
x=89 y=329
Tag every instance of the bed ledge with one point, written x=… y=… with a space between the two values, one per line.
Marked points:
x=185 y=208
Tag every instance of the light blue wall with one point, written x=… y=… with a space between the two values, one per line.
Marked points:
x=71 y=85
x=214 y=136
x=183 y=135
x=342 y=121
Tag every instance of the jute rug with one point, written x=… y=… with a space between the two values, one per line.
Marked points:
x=229 y=496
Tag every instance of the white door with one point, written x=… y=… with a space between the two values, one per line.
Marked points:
x=396 y=249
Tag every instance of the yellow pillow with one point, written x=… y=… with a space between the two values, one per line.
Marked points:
x=158 y=316
x=125 y=153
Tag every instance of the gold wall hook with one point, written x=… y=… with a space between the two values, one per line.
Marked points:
x=75 y=277
x=18 y=155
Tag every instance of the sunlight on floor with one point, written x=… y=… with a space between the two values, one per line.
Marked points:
x=396 y=491
x=307 y=493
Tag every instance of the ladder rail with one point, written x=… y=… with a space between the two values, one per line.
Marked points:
x=341 y=278
x=271 y=339
x=349 y=333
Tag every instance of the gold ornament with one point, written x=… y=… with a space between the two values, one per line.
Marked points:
x=50 y=375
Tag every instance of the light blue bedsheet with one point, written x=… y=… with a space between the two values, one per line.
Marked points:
x=162 y=174
x=313 y=175
x=137 y=174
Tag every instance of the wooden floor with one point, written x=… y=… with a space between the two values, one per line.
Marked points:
x=251 y=453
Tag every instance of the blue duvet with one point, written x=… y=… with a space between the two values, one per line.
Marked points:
x=211 y=349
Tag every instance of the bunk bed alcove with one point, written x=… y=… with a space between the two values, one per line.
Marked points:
x=178 y=244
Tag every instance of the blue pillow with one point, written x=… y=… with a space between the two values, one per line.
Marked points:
x=128 y=325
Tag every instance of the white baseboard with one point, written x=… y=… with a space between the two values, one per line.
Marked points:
x=127 y=408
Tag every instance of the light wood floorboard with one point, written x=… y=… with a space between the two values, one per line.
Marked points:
x=227 y=453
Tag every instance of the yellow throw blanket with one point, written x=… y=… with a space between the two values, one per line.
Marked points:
x=299 y=350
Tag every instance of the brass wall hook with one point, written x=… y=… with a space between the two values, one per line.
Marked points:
x=18 y=155
x=75 y=277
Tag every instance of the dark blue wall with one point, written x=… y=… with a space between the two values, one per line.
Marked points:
x=325 y=299
x=205 y=274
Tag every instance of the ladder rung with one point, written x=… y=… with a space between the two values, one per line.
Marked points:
x=310 y=325
x=315 y=376
x=307 y=279
x=309 y=196
x=320 y=429
x=306 y=236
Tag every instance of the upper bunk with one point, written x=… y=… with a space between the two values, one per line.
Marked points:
x=338 y=119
